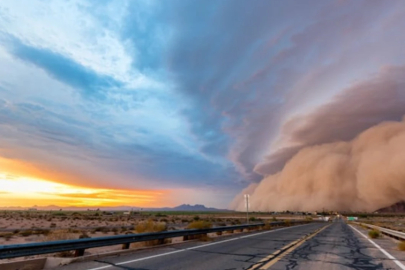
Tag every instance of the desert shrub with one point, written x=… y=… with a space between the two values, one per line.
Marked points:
x=53 y=225
x=152 y=226
x=252 y=219
x=99 y=229
x=199 y=224
x=287 y=222
x=267 y=226
x=26 y=232
x=71 y=230
x=16 y=231
x=58 y=236
x=7 y=236
x=84 y=235
x=196 y=218
x=374 y=233
x=401 y=245
x=42 y=231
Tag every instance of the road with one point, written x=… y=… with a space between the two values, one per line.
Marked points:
x=311 y=246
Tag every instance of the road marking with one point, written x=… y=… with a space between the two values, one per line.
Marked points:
x=381 y=249
x=286 y=250
x=196 y=247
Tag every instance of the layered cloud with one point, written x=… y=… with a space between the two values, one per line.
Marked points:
x=345 y=155
x=352 y=111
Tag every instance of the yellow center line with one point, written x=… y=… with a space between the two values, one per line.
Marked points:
x=275 y=257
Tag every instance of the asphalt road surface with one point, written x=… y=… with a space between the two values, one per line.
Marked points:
x=312 y=246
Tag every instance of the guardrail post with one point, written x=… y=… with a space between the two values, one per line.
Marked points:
x=161 y=241
x=126 y=245
x=79 y=252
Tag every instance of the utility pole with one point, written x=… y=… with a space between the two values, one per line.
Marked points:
x=247 y=207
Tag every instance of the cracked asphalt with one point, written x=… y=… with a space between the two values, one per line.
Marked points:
x=336 y=247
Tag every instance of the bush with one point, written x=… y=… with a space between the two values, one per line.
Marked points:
x=374 y=233
x=84 y=235
x=267 y=226
x=401 y=245
x=7 y=236
x=60 y=235
x=199 y=224
x=152 y=226
x=26 y=233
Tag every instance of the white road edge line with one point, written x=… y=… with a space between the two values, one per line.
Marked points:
x=196 y=247
x=381 y=249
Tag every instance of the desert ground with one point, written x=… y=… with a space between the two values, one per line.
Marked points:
x=19 y=227
x=389 y=221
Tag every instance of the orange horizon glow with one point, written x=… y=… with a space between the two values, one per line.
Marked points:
x=23 y=184
x=27 y=191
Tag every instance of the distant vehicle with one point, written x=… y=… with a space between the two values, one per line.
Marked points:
x=326 y=219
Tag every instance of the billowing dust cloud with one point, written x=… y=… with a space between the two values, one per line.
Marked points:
x=347 y=155
x=364 y=174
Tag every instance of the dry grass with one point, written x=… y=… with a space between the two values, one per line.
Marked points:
x=199 y=224
x=374 y=233
x=401 y=245
x=267 y=226
x=58 y=236
x=152 y=226
x=6 y=236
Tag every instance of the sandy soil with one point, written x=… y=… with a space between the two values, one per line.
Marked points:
x=19 y=227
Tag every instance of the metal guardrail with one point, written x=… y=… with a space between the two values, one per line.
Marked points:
x=79 y=245
x=396 y=234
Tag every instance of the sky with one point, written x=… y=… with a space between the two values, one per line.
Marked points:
x=159 y=103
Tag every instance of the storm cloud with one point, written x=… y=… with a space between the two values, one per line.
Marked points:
x=347 y=155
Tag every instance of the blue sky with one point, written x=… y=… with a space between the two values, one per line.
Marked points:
x=189 y=96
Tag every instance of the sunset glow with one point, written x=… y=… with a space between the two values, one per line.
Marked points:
x=16 y=189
